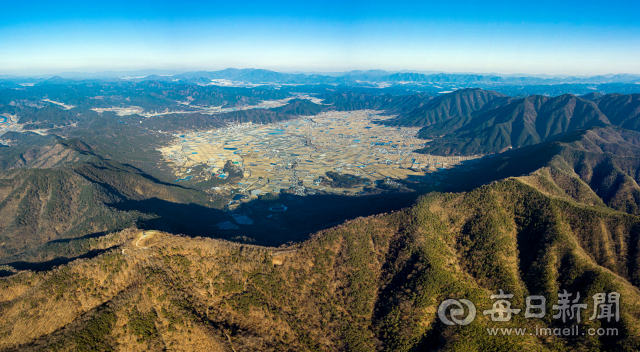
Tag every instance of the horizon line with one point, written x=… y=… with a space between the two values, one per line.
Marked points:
x=173 y=72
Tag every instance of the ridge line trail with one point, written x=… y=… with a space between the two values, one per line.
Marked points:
x=144 y=235
x=229 y=338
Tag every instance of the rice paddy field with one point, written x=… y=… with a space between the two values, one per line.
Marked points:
x=296 y=153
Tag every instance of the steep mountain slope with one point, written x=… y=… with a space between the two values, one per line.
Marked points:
x=599 y=166
x=455 y=123
x=41 y=206
x=459 y=103
x=622 y=110
x=521 y=122
x=31 y=150
x=371 y=284
x=55 y=190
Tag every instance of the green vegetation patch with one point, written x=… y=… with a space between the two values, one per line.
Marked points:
x=336 y=180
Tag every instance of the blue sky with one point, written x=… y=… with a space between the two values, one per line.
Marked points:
x=541 y=37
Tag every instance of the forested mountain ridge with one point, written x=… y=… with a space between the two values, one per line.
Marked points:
x=599 y=166
x=62 y=191
x=387 y=102
x=474 y=121
x=517 y=123
x=444 y=107
x=622 y=110
x=31 y=150
x=370 y=284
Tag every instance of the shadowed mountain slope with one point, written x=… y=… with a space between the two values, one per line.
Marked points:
x=39 y=206
x=391 y=104
x=519 y=123
x=459 y=103
x=599 y=166
x=622 y=110
x=592 y=96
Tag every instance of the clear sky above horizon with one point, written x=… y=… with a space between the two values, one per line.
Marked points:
x=543 y=37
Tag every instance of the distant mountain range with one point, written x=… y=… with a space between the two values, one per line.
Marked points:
x=261 y=76
x=267 y=76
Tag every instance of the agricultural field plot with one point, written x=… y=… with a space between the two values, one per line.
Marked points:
x=297 y=154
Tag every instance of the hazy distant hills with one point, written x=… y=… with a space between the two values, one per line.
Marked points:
x=376 y=81
x=265 y=76
x=443 y=78
x=245 y=75
x=250 y=75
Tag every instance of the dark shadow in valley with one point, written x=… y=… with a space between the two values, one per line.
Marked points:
x=153 y=179
x=85 y=237
x=264 y=222
x=513 y=163
x=50 y=264
x=62 y=249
